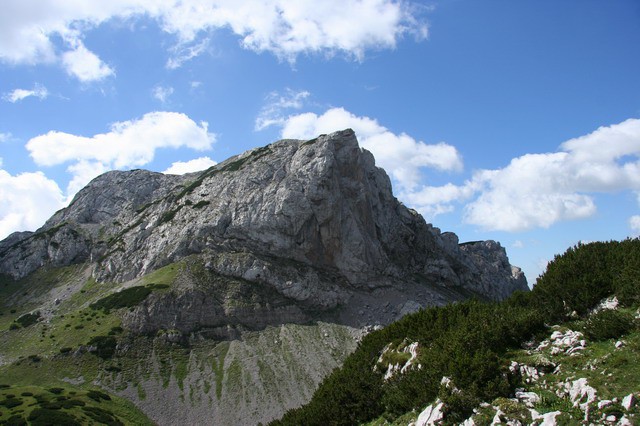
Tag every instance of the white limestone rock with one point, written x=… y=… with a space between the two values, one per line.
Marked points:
x=628 y=401
x=431 y=415
x=580 y=393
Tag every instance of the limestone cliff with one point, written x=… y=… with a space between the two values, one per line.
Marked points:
x=314 y=222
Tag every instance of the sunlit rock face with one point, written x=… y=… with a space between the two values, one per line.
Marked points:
x=313 y=224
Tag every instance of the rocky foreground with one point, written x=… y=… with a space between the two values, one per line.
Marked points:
x=566 y=377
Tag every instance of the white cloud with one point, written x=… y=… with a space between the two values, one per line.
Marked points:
x=399 y=154
x=27 y=201
x=82 y=173
x=634 y=223
x=282 y=27
x=195 y=165
x=538 y=190
x=184 y=53
x=162 y=93
x=127 y=144
x=277 y=105
x=5 y=137
x=432 y=201
x=16 y=95
x=85 y=65
x=542 y=189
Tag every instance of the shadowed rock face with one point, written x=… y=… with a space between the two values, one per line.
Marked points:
x=313 y=223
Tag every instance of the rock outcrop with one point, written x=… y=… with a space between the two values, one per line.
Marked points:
x=313 y=222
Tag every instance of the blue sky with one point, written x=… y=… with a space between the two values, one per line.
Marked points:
x=513 y=121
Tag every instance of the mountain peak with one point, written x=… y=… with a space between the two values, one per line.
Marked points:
x=315 y=221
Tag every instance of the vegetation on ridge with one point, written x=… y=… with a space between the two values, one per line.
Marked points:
x=472 y=343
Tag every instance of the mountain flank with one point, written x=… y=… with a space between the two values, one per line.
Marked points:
x=171 y=288
x=313 y=221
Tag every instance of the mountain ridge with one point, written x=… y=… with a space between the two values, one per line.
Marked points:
x=320 y=202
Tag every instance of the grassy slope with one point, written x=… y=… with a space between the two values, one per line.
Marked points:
x=207 y=378
x=52 y=352
x=65 y=404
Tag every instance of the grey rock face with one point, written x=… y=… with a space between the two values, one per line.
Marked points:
x=493 y=279
x=313 y=221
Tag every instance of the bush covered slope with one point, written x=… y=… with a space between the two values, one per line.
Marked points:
x=473 y=345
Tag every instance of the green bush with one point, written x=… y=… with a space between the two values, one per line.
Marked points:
x=587 y=273
x=168 y=215
x=11 y=402
x=28 y=319
x=458 y=406
x=126 y=298
x=52 y=405
x=15 y=420
x=70 y=403
x=98 y=396
x=46 y=417
x=200 y=204
x=34 y=358
x=102 y=416
x=628 y=284
x=105 y=346
x=116 y=330
x=404 y=393
x=608 y=324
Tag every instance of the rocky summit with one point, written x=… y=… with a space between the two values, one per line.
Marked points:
x=296 y=232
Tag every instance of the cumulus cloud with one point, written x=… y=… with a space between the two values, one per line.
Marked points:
x=282 y=27
x=127 y=144
x=195 y=165
x=400 y=155
x=162 y=93
x=27 y=201
x=16 y=95
x=85 y=65
x=288 y=29
x=538 y=190
x=634 y=223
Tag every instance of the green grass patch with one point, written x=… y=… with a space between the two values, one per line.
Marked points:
x=67 y=405
x=219 y=354
x=165 y=275
x=200 y=204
